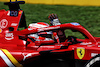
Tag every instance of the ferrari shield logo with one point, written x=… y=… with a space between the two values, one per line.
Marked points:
x=80 y=52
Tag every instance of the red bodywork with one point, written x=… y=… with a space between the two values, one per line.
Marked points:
x=14 y=51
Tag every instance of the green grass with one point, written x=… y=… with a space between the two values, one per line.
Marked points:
x=87 y=16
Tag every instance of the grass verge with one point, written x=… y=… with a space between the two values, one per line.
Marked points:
x=87 y=16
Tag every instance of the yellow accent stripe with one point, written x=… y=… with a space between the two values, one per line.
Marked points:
x=13 y=60
x=62 y=2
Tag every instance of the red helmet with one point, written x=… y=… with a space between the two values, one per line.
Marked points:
x=38 y=25
x=41 y=25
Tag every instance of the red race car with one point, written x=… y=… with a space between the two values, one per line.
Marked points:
x=29 y=48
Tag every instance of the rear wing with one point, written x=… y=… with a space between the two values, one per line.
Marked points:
x=14 y=5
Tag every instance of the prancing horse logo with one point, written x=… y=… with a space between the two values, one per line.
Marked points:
x=80 y=52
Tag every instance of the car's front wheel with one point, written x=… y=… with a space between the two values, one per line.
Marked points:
x=94 y=62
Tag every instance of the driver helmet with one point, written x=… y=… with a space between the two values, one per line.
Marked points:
x=47 y=34
x=38 y=25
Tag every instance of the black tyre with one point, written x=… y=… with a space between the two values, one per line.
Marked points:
x=94 y=62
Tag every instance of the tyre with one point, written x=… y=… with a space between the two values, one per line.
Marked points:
x=94 y=62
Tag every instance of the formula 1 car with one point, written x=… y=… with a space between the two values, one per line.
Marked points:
x=18 y=50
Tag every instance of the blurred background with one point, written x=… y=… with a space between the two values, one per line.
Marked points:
x=63 y=2
x=85 y=12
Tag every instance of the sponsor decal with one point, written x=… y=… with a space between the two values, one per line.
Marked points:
x=14 y=13
x=28 y=55
x=9 y=36
x=9 y=59
x=75 y=23
x=14 y=24
x=85 y=43
x=93 y=54
x=3 y=23
x=80 y=52
x=25 y=56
